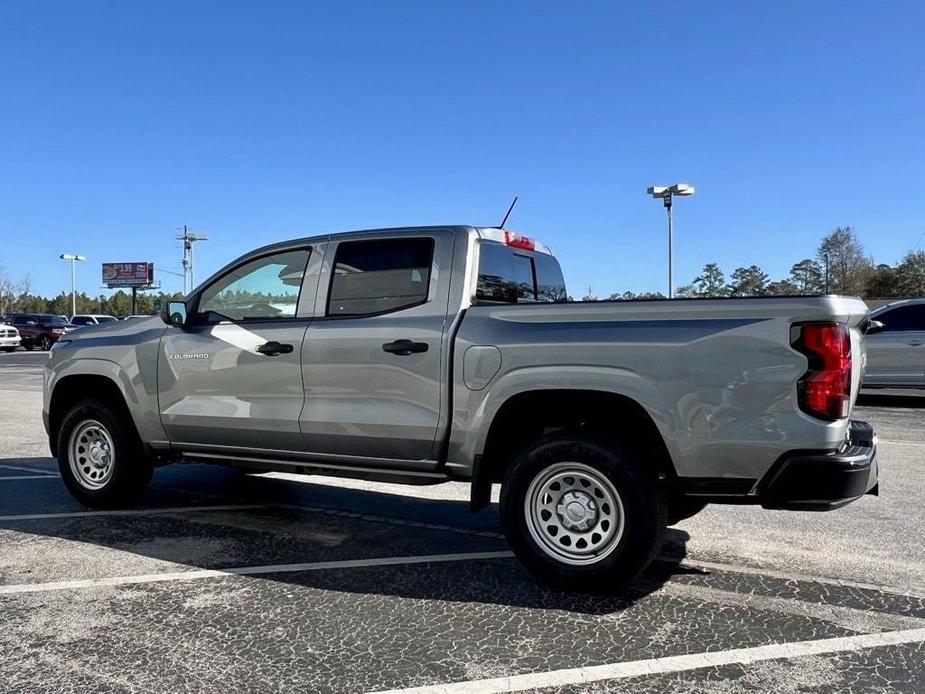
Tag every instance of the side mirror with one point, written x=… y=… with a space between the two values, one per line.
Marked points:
x=873 y=326
x=175 y=314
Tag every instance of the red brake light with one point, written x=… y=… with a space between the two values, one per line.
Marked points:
x=515 y=240
x=825 y=390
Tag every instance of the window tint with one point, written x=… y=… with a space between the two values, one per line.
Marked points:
x=903 y=318
x=46 y=319
x=106 y=319
x=378 y=276
x=265 y=288
x=504 y=275
x=80 y=320
x=550 y=285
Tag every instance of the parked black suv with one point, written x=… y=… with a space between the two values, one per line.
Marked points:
x=40 y=330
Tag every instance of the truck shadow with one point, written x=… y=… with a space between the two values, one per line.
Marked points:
x=296 y=522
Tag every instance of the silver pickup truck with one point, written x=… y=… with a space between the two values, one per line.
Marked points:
x=423 y=355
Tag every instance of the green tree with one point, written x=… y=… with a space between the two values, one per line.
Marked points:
x=849 y=267
x=782 y=288
x=882 y=282
x=711 y=282
x=748 y=281
x=806 y=276
x=910 y=274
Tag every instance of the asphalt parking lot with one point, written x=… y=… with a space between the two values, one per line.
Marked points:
x=230 y=582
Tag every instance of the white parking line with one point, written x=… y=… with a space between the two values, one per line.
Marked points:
x=677 y=663
x=911 y=591
x=24 y=468
x=131 y=512
x=245 y=571
x=7 y=478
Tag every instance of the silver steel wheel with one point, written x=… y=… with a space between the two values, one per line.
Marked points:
x=91 y=454
x=574 y=513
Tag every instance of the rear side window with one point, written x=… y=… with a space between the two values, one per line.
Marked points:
x=512 y=276
x=550 y=285
x=380 y=276
x=903 y=318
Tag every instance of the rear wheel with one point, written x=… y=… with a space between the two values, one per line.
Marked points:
x=580 y=513
x=100 y=456
x=9 y=349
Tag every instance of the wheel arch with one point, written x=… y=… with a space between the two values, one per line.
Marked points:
x=530 y=414
x=71 y=389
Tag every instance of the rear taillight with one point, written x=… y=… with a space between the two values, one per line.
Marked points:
x=515 y=240
x=824 y=391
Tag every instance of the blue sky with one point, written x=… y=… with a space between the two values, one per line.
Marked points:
x=255 y=122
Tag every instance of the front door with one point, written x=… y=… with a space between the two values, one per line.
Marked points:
x=372 y=357
x=233 y=378
x=896 y=354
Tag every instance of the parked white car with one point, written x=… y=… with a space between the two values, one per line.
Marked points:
x=92 y=319
x=9 y=338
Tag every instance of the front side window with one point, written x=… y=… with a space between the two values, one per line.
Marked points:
x=379 y=276
x=903 y=318
x=263 y=289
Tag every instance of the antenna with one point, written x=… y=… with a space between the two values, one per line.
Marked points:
x=508 y=214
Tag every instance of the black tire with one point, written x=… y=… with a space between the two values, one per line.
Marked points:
x=131 y=468
x=45 y=343
x=9 y=349
x=681 y=509
x=29 y=347
x=643 y=512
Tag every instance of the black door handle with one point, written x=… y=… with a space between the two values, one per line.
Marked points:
x=404 y=347
x=274 y=349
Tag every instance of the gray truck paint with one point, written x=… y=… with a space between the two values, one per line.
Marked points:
x=718 y=378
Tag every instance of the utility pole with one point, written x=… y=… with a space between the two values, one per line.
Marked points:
x=189 y=238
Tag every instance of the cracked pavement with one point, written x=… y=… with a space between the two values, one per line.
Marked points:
x=770 y=578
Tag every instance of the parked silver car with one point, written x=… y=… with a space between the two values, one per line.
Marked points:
x=895 y=345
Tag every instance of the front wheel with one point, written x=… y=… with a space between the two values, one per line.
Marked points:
x=100 y=456
x=581 y=513
x=45 y=343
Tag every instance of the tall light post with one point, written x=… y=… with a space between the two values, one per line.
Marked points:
x=666 y=193
x=74 y=258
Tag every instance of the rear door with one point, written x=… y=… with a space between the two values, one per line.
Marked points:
x=372 y=356
x=233 y=379
x=896 y=354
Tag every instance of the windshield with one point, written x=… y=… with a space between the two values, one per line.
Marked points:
x=106 y=319
x=51 y=320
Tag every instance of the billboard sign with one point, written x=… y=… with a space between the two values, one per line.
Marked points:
x=128 y=274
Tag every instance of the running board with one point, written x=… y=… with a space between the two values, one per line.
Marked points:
x=330 y=469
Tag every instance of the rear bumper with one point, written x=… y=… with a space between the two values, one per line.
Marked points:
x=812 y=481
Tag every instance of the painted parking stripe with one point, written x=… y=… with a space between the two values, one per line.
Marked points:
x=131 y=512
x=677 y=663
x=24 y=468
x=910 y=591
x=7 y=478
x=246 y=571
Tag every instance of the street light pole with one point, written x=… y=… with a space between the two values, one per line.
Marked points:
x=670 y=244
x=665 y=193
x=74 y=258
